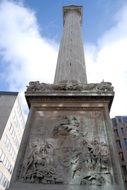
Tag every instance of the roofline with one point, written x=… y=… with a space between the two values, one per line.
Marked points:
x=9 y=93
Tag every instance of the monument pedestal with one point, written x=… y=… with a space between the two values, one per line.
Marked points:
x=68 y=142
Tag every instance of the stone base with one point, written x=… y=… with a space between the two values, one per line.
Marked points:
x=25 y=186
x=68 y=144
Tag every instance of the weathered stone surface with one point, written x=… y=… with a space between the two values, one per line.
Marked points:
x=71 y=61
x=67 y=148
x=37 y=87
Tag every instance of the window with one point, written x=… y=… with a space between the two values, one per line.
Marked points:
x=0 y=177
x=120 y=119
x=122 y=129
x=125 y=142
x=2 y=157
x=121 y=156
x=3 y=180
x=0 y=154
x=118 y=143
x=116 y=132
x=9 y=147
x=10 y=126
x=124 y=170
x=114 y=122
x=13 y=134
x=6 y=163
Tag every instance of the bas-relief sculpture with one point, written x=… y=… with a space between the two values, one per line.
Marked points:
x=66 y=148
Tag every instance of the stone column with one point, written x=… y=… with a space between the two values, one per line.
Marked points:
x=71 y=62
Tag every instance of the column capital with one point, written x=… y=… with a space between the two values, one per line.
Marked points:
x=78 y=9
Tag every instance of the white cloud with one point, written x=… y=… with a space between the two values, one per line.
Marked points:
x=109 y=61
x=29 y=56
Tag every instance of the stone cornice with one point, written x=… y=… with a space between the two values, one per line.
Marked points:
x=70 y=91
x=70 y=87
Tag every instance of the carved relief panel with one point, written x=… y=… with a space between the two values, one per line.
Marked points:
x=67 y=147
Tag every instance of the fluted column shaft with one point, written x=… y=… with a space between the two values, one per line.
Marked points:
x=71 y=62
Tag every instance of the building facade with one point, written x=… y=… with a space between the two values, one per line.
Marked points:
x=11 y=130
x=120 y=132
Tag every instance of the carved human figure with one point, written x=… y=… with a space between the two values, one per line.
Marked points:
x=37 y=160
